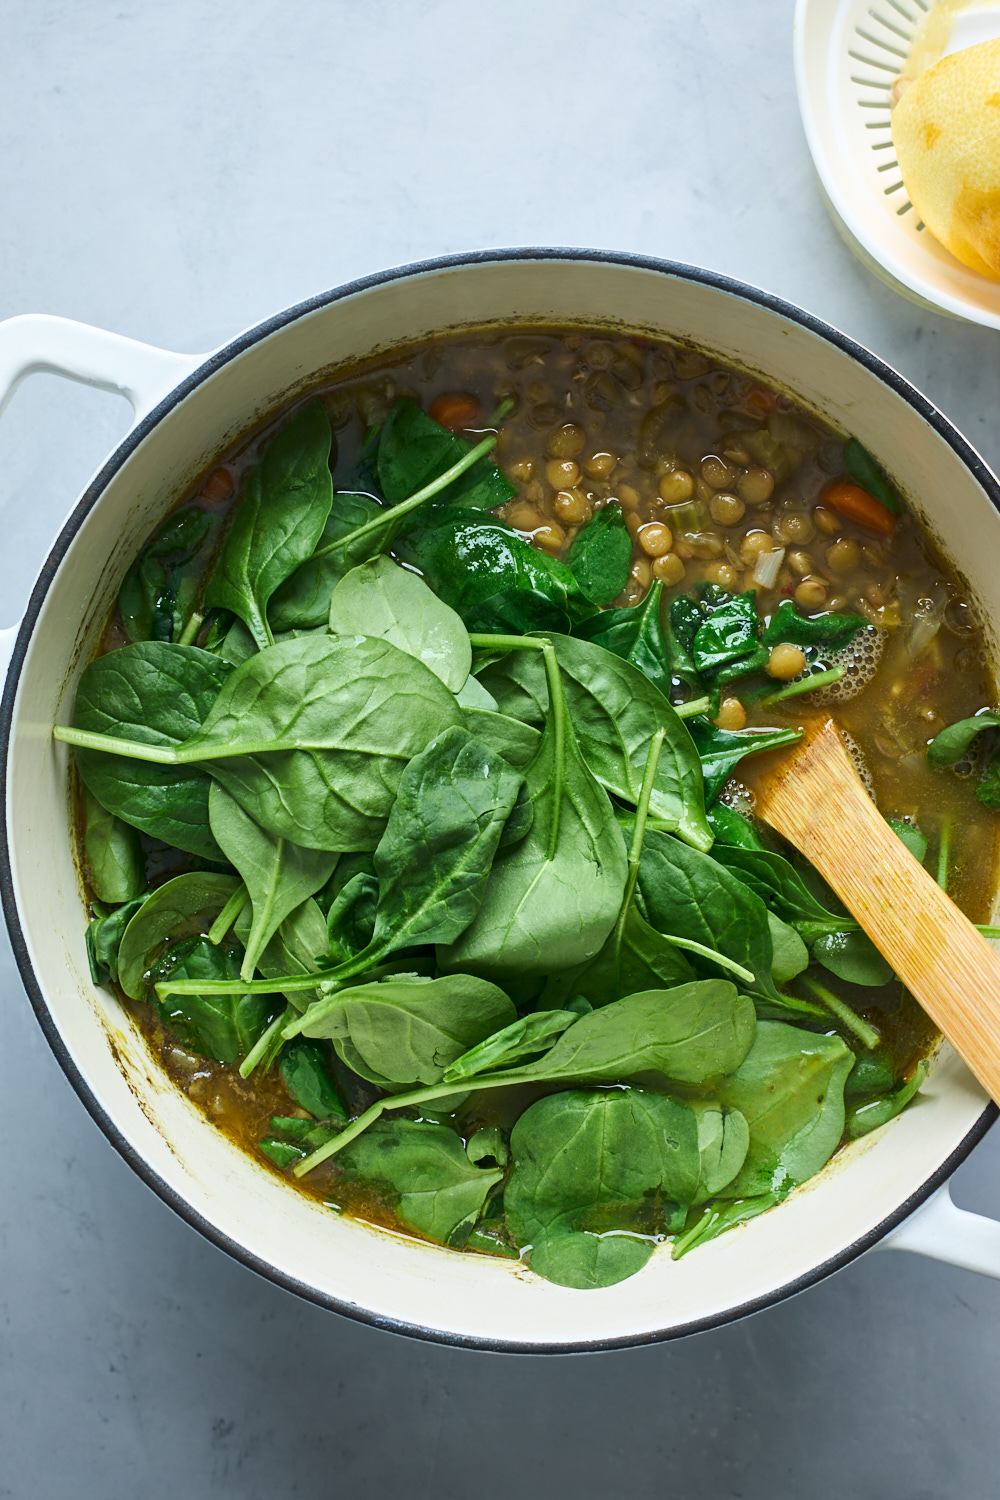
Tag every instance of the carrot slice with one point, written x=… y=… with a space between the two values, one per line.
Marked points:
x=850 y=500
x=454 y=409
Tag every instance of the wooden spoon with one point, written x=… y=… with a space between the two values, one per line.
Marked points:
x=814 y=797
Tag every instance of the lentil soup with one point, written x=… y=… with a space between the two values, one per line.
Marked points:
x=629 y=508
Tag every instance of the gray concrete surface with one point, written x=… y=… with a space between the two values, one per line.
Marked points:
x=177 y=172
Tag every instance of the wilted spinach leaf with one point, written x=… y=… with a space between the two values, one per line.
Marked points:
x=302 y=602
x=413 y=450
x=729 y=632
x=786 y=624
x=721 y=750
x=852 y=956
x=865 y=471
x=104 y=936
x=168 y=909
x=440 y=1192
x=157 y=592
x=303 y=1070
x=114 y=857
x=635 y=634
x=861 y=1118
x=223 y=1027
x=601 y=555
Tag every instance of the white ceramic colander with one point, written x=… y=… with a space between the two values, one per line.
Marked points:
x=848 y=54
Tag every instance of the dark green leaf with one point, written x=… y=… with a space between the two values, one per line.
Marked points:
x=954 y=743
x=865 y=471
x=732 y=829
x=589 y=1163
x=777 y=882
x=151 y=693
x=278 y=874
x=875 y=1112
x=522 y=1038
x=440 y=1193
x=852 y=956
x=166 y=913
x=516 y=612
x=302 y=602
x=114 y=856
x=616 y=711
x=104 y=936
x=786 y=624
x=789 y=954
x=635 y=634
x=515 y=741
x=551 y=898
x=153 y=597
x=469 y=559
x=296 y=948
x=721 y=750
x=790 y=1089
x=408 y=1030
x=601 y=555
x=413 y=450
x=911 y=837
x=223 y=1027
x=282 y=1153
x=304 y=1073
x=637 y=959
x=729 y=632
x=344 y=715
x=350 y=922
x=278 y=521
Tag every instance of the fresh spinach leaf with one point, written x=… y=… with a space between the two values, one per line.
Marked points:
x=515 y=741
x=406 y=1030
x=223 y=1027
x=862 y=1118
x=440 y=1192
x=278 y=521
x=552 y=897
x=723 y=1142
x=790 y=1089
x=786 y=624
x=601 y=555
x=789 y=954
x=413 y=450
x=586 y=1167
x=312 y=736
x=470 y=559
x=295 y=949
x=852 y=956
x=164 y=914
x=516 y=612
x=721 y=750
x=302 y=602
x=383 y=600
x=155 y=694
x=865 y=471
x=641 y=960
x=304 y=1073
x=473 y=695
x=732 y=829
x=522 y=1038
x=350 y=922
x=278 y=874
x=687 y=894
x=728 y=633
x=615 y=712
x=719 y=1216
x=113 y=853
x=104 y=936
x=780 y=886
x=635 y=634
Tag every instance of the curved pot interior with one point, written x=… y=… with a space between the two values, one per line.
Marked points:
x=369 y=1273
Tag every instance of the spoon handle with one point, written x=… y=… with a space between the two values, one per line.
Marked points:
x=815 y=799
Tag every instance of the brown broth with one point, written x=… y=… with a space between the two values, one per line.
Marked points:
x=641 y=422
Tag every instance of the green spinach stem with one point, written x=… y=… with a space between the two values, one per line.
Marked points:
x=718 y=958
x=227 y=916
x=635 y=849
x=866 y=1035
x=944 y=856
x=263 y=1043
x=392 y=516
x=690 y=709
x=804 y=685
x=191 y=629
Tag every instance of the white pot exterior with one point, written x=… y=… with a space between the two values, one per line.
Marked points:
x=382 y=1278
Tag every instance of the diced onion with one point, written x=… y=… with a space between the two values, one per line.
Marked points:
x=767 y=567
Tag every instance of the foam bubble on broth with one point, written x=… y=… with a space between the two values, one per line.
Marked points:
x=860 y=659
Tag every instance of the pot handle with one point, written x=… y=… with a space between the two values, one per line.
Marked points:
x=941 y=1231
x=36 y=344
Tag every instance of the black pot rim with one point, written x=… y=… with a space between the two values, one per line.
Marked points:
x=115 y=1135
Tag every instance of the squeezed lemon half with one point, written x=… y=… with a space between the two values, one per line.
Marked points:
x=946 y=131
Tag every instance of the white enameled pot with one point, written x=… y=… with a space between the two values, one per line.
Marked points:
x=887 y=1189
